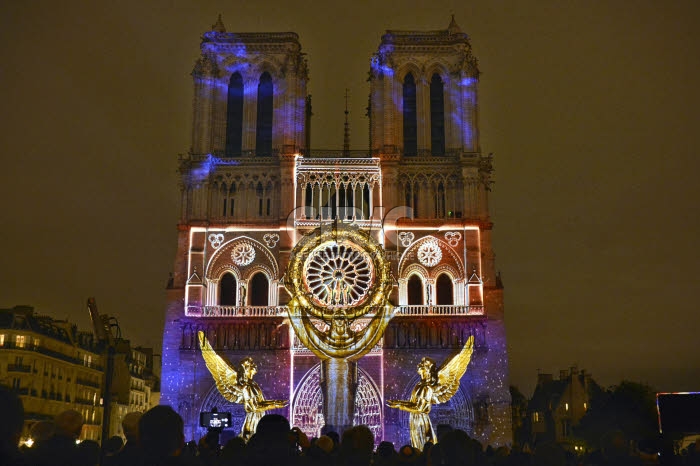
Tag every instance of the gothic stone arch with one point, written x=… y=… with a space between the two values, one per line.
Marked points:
x=307 y=404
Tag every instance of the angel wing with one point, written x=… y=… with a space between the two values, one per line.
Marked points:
x=225 y=376
x=451 y=372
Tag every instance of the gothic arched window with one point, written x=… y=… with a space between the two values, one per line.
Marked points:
x=444 y=291
x=440 y=201
x=263 y=129
x=259 y=194
x=437 y=116
x=268 y=199
x=410 y=125
x=227 y=290
x=259 y=290
x=365 y=202
x=232 y=200
x=415 y=291
x=234 y=116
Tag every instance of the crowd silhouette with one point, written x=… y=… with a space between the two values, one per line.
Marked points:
x=156 y=438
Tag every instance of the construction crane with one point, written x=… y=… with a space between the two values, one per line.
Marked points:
x=102 y=326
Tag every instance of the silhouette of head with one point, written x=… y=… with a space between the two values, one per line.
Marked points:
x=69 y=423
x=12 y=417
x=161 y=432
x=130 y=425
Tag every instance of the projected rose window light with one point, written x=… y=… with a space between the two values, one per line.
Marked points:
x=338 y=274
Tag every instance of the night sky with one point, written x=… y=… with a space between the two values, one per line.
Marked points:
x=591 y=109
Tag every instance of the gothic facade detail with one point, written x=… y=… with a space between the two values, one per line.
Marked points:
x=251 y=189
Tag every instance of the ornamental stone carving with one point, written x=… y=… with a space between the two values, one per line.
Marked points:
x=406 y=238
x=243 y=254
x=453 y=237
x=215 y=239
x=271 y=239
x=429 y=253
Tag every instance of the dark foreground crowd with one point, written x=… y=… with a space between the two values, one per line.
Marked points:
x=157 y=438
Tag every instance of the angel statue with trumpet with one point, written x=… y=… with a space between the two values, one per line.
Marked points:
x=436 y=386
x=237 y=386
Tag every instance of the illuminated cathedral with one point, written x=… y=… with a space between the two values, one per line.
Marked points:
x=253 y=190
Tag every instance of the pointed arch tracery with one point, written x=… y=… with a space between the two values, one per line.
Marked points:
x=410 y=257
x=221 y=259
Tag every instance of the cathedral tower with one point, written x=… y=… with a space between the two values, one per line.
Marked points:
x=252 y=190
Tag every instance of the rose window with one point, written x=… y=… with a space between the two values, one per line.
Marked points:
x=338 y=274
x=243 y=254
x=429 y=254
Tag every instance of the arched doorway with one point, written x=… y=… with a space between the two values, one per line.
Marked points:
x=259 y=290
x=445 y=291
x=227 y=290
x=415 y=291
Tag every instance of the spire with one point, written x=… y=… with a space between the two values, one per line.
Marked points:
x=219 y=26
x=453 y=28
x=346 y=134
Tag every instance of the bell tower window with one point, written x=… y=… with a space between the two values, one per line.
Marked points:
x=234 y=116
x=263 y=132
x=410 y=125
x=437 y=116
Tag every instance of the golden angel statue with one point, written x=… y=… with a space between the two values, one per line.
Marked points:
x=436 y=386
x=238 y=386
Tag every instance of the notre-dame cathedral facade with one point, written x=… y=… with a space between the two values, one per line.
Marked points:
x=251 y=187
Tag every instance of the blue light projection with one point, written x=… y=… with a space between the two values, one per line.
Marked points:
x=202 y=171
x=224 y=54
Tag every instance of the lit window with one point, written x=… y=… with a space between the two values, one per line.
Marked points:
x=20 y=341
x=2 y=340
x=535 y=417
x=36 y=343
x=585 y=405
x=567 y=406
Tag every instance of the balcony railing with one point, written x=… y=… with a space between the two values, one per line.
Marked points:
x=87 y=383
x=277 y=311
x=238 y=311
x=83 y=401
x=18 y=368
x=463 y=310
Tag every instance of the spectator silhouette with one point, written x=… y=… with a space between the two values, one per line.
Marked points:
x=319 y=454
x=386 y=454
x=233 y=453
x=88 y=453
x=613 y=452
x=409 y=455
x=113 y=445
x=549 y=454
x=271 y=445
x=161 y=436
x=40 y=432
x=10 y=427
x=356 y=446
x=61 y=447
x=457 y=448
x=130 y=453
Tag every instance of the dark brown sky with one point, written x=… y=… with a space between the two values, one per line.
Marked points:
x=590 y=107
